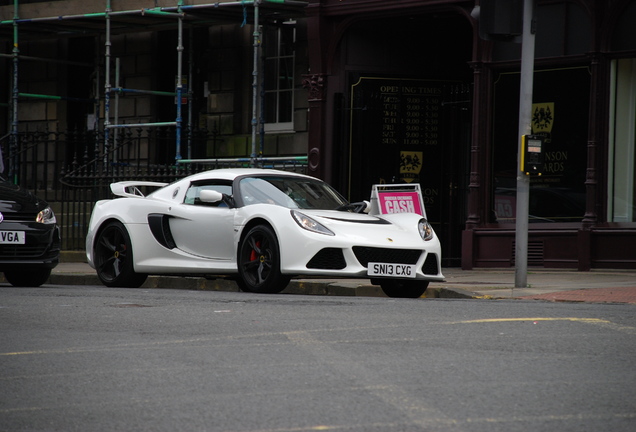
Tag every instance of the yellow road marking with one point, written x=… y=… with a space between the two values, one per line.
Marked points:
x=595 y=321
x=494 y=320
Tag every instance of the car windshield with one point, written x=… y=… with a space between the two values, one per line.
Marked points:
x=290 y=192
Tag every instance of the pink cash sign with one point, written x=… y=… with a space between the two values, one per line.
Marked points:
x=399 y=202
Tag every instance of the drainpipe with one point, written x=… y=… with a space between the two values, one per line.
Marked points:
x=190 y=85
x=255 y=84
x=96 y=90
x=13 y=143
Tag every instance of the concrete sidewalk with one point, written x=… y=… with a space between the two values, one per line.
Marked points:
x=604 y=286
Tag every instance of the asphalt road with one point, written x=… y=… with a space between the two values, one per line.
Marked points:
x=90 y=358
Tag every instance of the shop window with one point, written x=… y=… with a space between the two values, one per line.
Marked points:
x=278 y=110
x=560 y=115
x=622 y=158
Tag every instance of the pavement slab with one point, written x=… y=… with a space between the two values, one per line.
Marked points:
x=593 y=295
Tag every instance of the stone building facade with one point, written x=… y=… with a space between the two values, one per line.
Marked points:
x=375 y=91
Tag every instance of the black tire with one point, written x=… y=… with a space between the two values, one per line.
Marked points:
x=259 y=262
x=30 y=278
x=402 y=289
x=113 y=257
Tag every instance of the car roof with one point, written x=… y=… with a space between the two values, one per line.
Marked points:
x=227 y=174
x=232 y=173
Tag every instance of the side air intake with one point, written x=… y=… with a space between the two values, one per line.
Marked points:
x=328 y=259
x=430 y=266
x=160 y=227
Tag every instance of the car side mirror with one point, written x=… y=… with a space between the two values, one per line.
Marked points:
x=210 y=196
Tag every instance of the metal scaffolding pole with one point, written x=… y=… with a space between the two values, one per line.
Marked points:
x=179 y=84
x=145 y=11
x=178 y=12
x=117 y=84
x=108 y=89
x=159 y=11
x=107 y=84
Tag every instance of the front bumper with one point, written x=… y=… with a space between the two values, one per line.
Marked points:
x=41 y=248
x=354 y=261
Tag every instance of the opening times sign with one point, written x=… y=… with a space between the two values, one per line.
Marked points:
x=410 y=113
x=397 y=132
x=407 y=112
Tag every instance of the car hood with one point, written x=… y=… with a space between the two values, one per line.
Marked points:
x=14 y=199
x=361 y=218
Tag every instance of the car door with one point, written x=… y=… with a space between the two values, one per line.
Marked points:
x=204 y=229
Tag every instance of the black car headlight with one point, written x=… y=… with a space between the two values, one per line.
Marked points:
x=310 y=224
x=46 y=216
x=425 y=229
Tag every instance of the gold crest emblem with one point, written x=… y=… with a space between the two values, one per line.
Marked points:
x=542 y=117
x=410 y=165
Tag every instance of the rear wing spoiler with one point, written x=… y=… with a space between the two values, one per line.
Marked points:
x=131 y=189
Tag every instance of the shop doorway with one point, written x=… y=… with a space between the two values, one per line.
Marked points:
x=414 y=131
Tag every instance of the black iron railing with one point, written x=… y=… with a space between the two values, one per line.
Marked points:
x=72 y=170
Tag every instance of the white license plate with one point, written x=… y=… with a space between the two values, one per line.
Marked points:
x=12 y=237
x=393 y=270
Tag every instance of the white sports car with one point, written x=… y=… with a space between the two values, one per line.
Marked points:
x=260 y=227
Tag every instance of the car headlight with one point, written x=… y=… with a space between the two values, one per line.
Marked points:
x=46 y=216
x=425 y=229
x=310 y=224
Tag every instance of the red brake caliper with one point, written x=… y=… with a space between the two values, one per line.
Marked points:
x=253 y=255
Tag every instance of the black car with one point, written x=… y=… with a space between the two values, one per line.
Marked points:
x=29 y=237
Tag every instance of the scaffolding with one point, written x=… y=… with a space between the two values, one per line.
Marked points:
x=110 y=21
